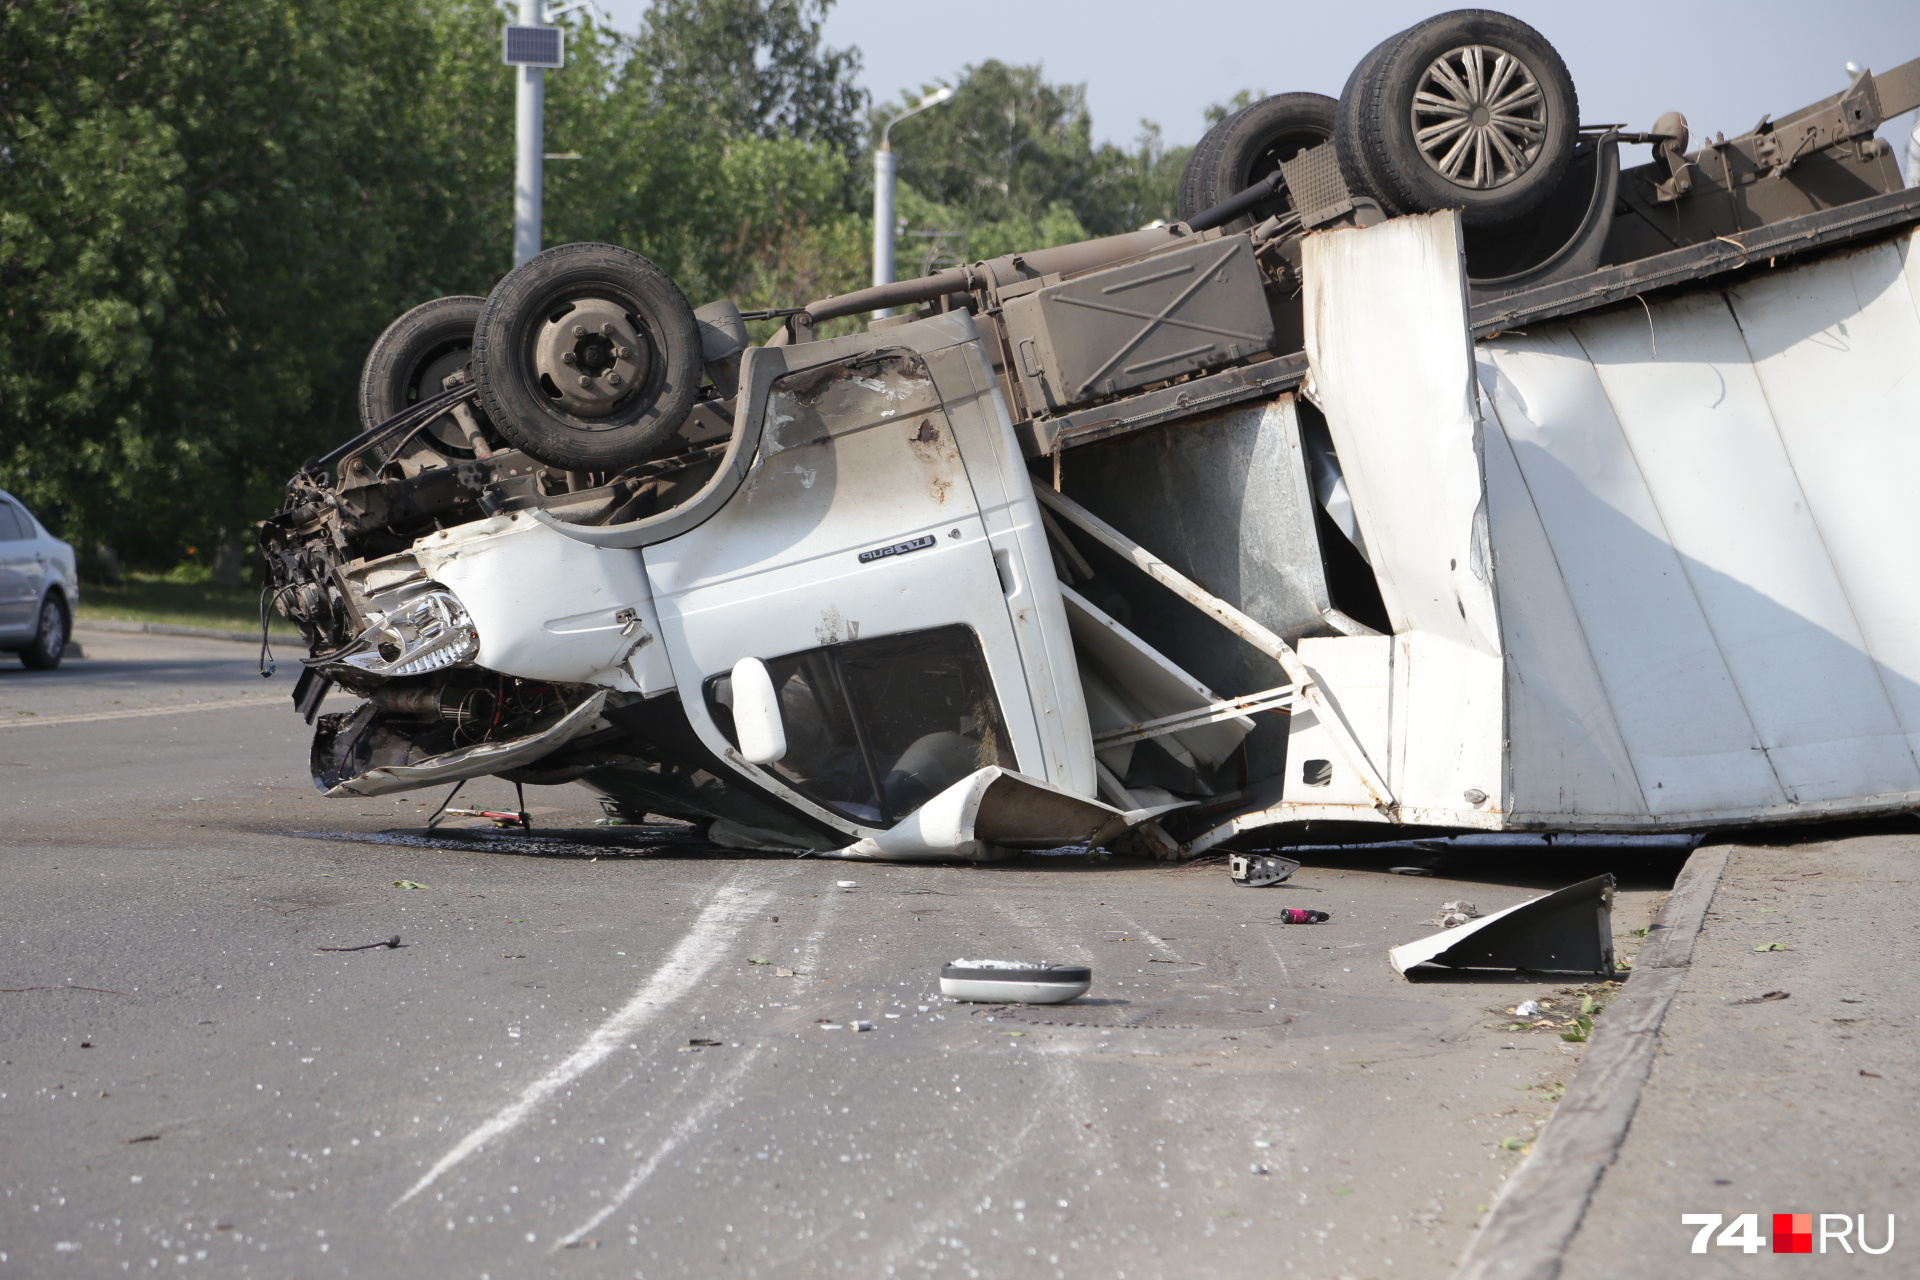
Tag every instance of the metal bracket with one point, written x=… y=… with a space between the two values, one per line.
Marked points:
x=1197 y=718
x=1305 y=689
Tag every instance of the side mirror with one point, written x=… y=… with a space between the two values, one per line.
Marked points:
x=756 y=713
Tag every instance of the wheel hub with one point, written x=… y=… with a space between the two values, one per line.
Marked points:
x=1479 y=117
x=591 y=358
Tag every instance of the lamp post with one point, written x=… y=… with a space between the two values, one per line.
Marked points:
x=531 y=46
x=883 y=168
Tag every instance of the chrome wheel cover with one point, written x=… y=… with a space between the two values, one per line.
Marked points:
x=1479 y=117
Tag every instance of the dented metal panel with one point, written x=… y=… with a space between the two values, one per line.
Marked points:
x=1387 y=337
x=1718 y=482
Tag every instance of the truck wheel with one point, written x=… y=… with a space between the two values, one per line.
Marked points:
x=1246 y=147
x=411 y=359
x=1471 y=110
x=587 y=357
x=49 y=638
x=1361 y=180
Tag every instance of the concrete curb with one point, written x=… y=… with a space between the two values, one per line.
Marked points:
x=200 y=633
x=1540 y=1208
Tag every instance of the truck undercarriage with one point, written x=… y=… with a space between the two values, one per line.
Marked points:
x=1312 y=507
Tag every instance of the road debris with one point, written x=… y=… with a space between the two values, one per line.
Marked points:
x=1014 y=981
x=1763 y=998
x=389 y=943
x=410 y=884
x=1303 y=915
x=1454 y=914
x=863 y=1025
x=697 y=1043
x=1567 y=931
x=1258 y=870
x=1527 y=1009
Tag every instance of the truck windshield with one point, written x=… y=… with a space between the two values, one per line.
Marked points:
x=876 y=728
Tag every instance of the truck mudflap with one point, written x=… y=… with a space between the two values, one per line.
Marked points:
x=992 y=813
x=336 y=744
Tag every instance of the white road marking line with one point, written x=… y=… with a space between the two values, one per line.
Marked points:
x=696 y=953
x=720 y=1091
x=253 y=700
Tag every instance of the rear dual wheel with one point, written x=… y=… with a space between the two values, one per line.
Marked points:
x=1248 y=146
x=412 y=359
x=1471 y=110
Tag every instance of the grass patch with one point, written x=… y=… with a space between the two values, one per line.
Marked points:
x=152 y=597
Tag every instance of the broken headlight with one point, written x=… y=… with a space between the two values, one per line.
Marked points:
x=424 y=632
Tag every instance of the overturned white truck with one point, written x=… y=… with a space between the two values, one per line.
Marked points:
x=1083 y=552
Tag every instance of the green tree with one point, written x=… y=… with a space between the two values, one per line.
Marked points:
x=208 y=211
x=756 y=66
x=1010 y=164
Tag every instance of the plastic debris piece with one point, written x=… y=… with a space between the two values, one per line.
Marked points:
x=1258 y=870
x=847 y=884
x=828 y=1026
x=1014 y=981
x=1455 y=914
x=1527 y=1009
x=1256 y=1168
x=409 y=884
x=863 y=1025
x=1567 y=931
x=389 y=943
x=1303 y=915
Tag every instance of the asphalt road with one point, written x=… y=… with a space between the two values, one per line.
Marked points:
x=190 y=1086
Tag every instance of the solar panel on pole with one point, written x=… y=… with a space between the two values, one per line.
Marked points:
x=535 y=47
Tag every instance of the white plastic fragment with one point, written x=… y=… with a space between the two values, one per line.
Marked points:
x=1014 y=981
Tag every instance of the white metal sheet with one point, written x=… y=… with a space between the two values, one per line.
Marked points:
x=1837 y=351
x=1720 y=480
x=1560 y=722
x=1392 y=367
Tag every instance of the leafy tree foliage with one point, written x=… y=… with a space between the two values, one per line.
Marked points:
x=210 y=208
x=1010 y=164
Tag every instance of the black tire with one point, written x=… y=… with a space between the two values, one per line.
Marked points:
x=50 y=636
x=615 y=410
x=409 y=361
x=1496 y=171
x=1361 y=180
x=1246 y=147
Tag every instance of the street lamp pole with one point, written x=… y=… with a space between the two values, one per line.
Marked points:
x=529 y=120
x=883 y=170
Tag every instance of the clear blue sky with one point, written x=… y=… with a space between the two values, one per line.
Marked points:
x=1723 y=64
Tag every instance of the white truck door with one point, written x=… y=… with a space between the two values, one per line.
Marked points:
x=856 y=561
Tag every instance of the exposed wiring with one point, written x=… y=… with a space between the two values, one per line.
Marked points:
x=267 y=664
x=434 y=817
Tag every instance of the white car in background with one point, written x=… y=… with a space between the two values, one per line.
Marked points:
x=39 y=588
